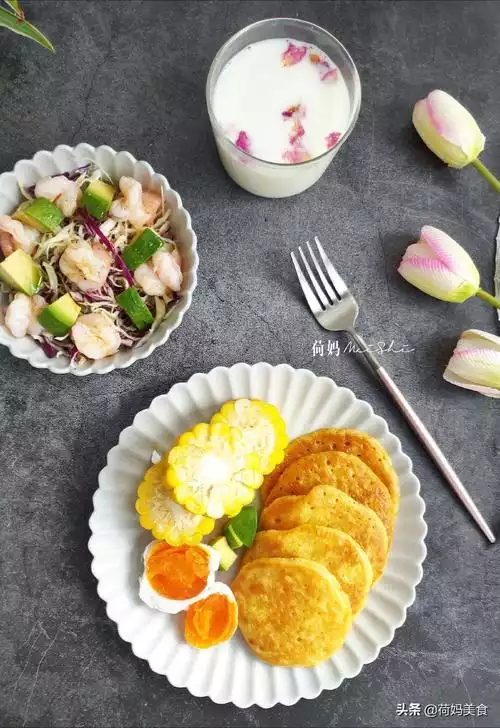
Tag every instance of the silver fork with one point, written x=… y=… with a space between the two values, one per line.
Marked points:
x=336 y=309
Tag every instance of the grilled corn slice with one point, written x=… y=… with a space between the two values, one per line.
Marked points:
x=210 y=471
x=262 y=426
x=167 y=520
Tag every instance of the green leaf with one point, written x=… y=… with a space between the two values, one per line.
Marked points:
x=9 y=20
x=14 y=4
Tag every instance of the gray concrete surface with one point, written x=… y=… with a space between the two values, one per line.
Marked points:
x=131 y=74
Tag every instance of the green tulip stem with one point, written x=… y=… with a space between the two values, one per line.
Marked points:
x=488 y=297
x=488 y=176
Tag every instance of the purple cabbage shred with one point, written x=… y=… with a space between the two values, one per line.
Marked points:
x=75 y=173
x=94 y=230
x=93 y=297
x=48 y=349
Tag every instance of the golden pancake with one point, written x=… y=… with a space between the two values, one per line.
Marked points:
x=291 y=612
x=327 y=506
x=332 y=548
x=340 y=470
x=365 y=447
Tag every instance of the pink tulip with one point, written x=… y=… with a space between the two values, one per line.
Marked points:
x=439 y=266
x=475 y=363
x=448 y=129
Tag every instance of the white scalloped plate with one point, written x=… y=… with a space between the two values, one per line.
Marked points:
x=230 y=672
x=116 y=164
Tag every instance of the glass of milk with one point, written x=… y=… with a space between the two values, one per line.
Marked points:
x=283 y=96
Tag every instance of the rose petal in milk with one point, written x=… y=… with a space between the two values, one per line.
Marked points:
x=293 y=54
x=332 y=139
x=243 y=142
x=298 y=132
x=316 y=60
x=330 y=75
x=295 y=112
x=290 y=112
x=296 y=155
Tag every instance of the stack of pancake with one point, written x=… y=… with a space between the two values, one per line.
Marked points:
x=325 y=532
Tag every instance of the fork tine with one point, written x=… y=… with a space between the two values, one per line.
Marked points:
x=323 y=299
x=335 y=278
x=311 y=299
x=329 y=290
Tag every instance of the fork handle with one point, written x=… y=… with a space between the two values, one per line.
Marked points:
x=424 y=435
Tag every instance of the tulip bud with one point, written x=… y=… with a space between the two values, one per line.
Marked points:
x=439 y=266
x=448 y=129
x=475 y=363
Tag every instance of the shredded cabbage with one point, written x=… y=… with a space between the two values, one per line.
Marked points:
x=51 y=275
x=114 y=235
x=94 y=229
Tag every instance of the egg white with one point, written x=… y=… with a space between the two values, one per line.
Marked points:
x=173 y=606
x=219 y=588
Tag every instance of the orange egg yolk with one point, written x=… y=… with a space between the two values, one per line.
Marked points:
x=177 y=573
x=210 y=621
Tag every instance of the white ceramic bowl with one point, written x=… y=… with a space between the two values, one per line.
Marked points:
x=230 y=672
x=116 y=164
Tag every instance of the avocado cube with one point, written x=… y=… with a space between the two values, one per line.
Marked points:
x=60 y=316
x=142 y=248
x=226 y=554
x=20 y=271
x=40 y=214
x=135 y=308
x=97 y=198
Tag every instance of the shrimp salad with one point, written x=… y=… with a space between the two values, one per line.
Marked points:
x=90 y=267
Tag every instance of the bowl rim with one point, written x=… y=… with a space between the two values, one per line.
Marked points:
x=182 y=306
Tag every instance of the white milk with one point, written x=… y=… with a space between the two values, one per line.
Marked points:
x=282 y=101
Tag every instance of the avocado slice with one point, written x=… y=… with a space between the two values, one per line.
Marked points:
x=226 y=554
x=232 y=538
x=97 y=198
x=20 y=271
x=142 y=248
x=60 y=316
x=243 y=527
x=135 y=308
x=40 y=214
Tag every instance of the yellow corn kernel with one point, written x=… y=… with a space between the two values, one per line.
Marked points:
x=167 y=520
x=262 y=426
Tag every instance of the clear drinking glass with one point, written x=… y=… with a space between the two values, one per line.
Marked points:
x=274 y=179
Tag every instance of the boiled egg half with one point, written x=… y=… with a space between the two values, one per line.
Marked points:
x=175 y=577
x=211 y=619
